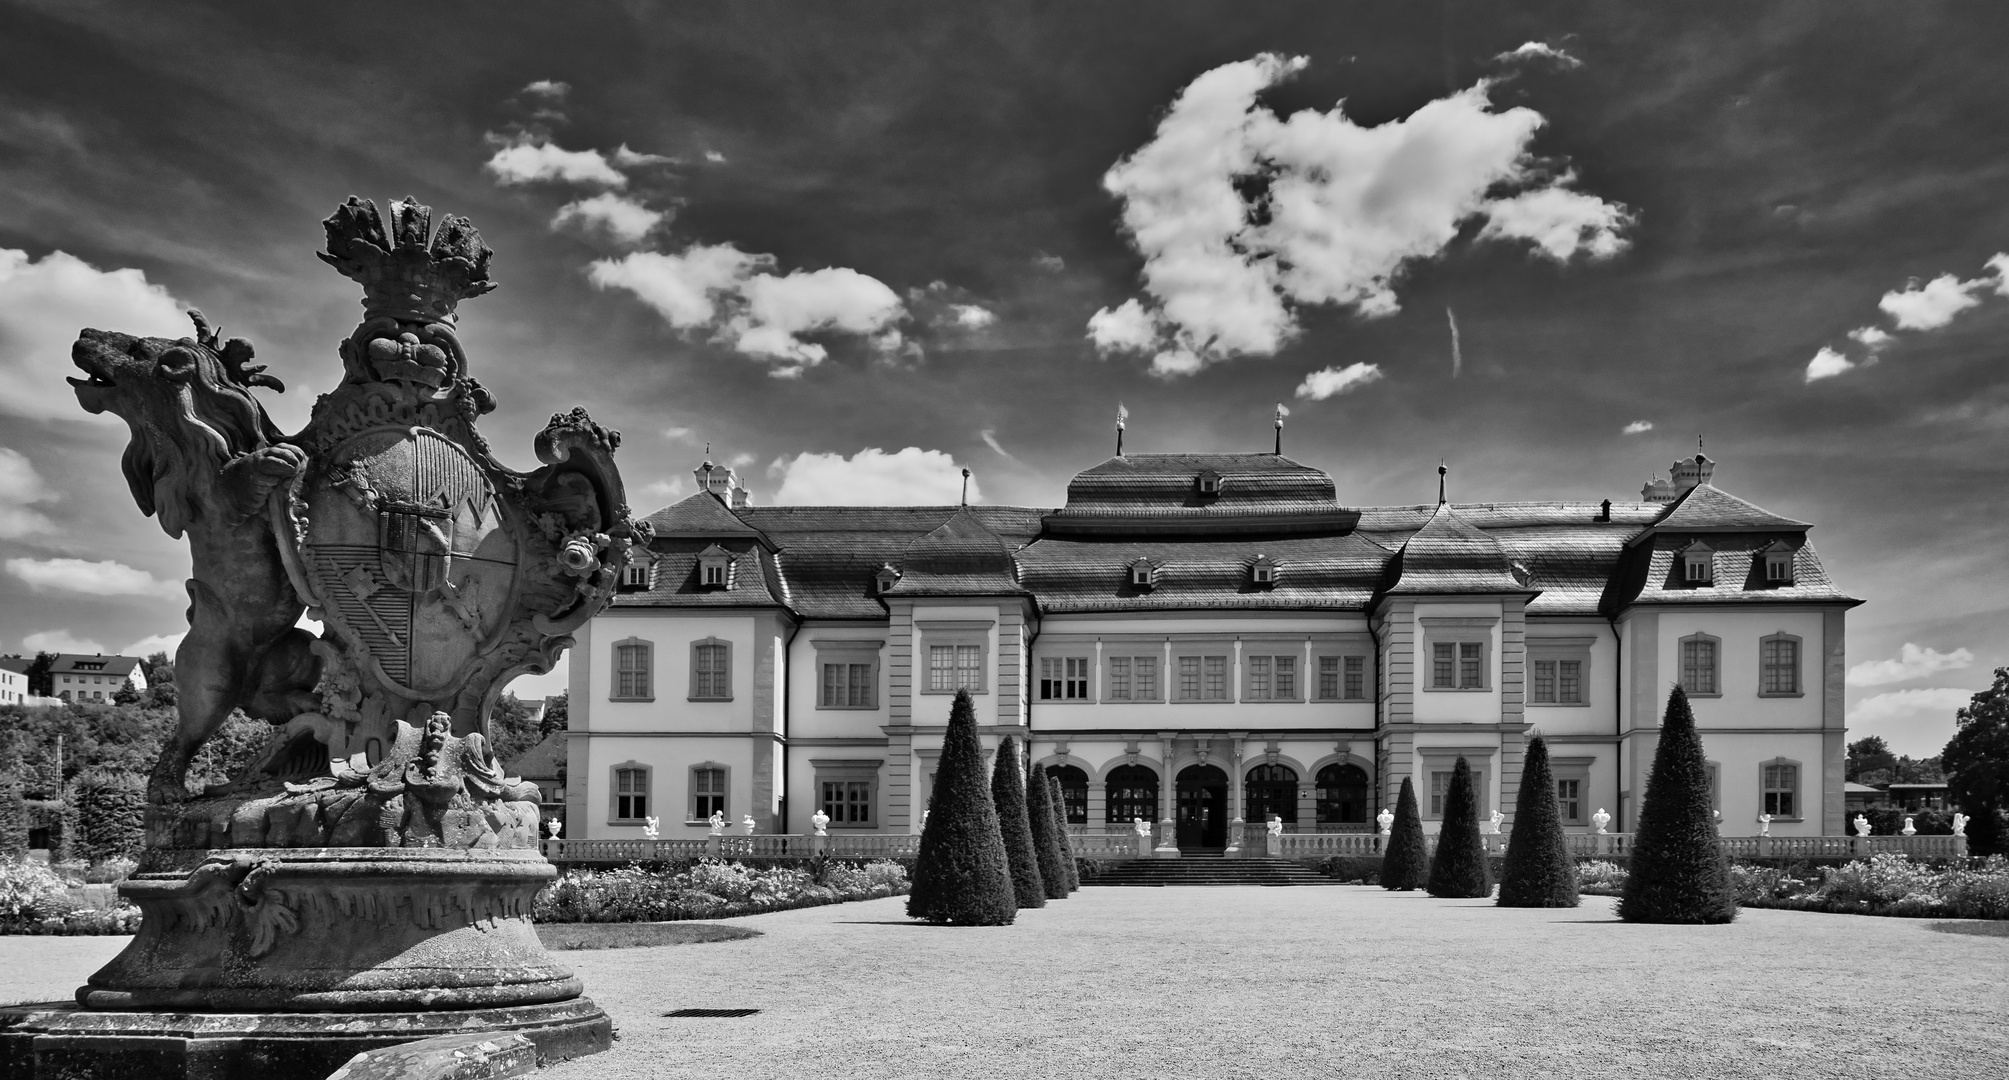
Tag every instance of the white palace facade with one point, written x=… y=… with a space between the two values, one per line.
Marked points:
x=1196 y=638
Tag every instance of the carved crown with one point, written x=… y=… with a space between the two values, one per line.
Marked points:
x=409 y=273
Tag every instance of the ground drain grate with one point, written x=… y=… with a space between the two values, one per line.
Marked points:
x=712 y=1012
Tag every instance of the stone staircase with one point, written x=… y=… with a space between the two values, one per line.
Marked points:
x=1210 y=869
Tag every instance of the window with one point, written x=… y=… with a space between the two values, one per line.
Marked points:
x=849 y=685
x=1698 y=666
x=711 y=670
x=633 y=661
x=955 y=667
x=1203 y=678
x=1264 y=572
x=1270 y=677
x=847 y=791
x=1778 y=563
x=1270 y=789
x=1355 y=687
x=707 y=791
x=886 y=579
x=1558 y=682
x=1440 y=786
x=635 y=575
x=1209 y=482
x=1698 y=564
x=1457 y=665
x=1342 y=795
x=1063 y=678
x=1132 y=794
x=1779 y=665
x=715 y=568
x=1143 y=574
x=1569 y=799
x=631 y=792
x=1779 y=782
x=1073 y=792
x=1438 y=766
x=1132 y=678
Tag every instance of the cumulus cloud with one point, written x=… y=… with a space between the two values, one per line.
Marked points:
x=153 y=643
x=1052 y=264
x=758 y=313
x=59 y=641
x=872 y=477
x=1331 y=381
x=42 y=305
x=663 y=492
x=1916 y=722
x=618 y=216
x=1873 y=338
x=1242 y=216
x=1639 y=427
x=1933 y=304
x=972 y=316
x=551 y=89
x=629 y=159
x=1538 y=50
x=714 y=157
x=21 y=485
x=1827 y=364
x=526 y=159
x=106 y=578
x=1911 y=662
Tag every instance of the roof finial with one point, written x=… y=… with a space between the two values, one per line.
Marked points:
x=1122 y=414
x=1441 y=473
x=966 y=488
x=1281 y=413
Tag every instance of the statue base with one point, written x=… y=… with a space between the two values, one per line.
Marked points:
x=60 y=1041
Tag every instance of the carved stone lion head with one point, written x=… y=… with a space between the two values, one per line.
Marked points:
x=188 y=403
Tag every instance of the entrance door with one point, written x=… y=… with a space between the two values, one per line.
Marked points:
x=1203 y=807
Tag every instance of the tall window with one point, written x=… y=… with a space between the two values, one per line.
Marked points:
x=1569 y=798
x=1781 y=788
x=849 y=686
x=711 y=670
x=1558 y=682
x=1132 y=678
x=1189 y=678
x=631 y=794
x=1355 y=687
x=1458 y=665
x=1203 y=678
x=632 y=660
x=1342 y=795
x=848 y=802
x=1779 y=665
x=1715 y=772
x=707 y=792
x=1698 y=665
x=1063 y=678
x=1073 y=792
x=1271 y=789
x=1440 y=785
x=1132 y=794
x=955 y=667
x=1271 y=678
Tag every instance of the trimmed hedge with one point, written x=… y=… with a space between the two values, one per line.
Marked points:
x=111 y=816
x=1405 y=865
x=1459 y=869
x=1008 y=794
x=961 y=876
x=1539 y=872
x=1058 y=800
x=1046 y=845
x=1677 y=873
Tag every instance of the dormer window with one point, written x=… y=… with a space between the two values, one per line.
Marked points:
x=715 y=568
x=886 y=579
x=1143 y=574
x=1698 y=564
x=1778 y=563
x=1263 y=573
x=636 y=574
x=1209 y=482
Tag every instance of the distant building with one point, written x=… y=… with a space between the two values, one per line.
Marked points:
x=544 y=765
x=94 y=677
x=13 y=680
x=1198 y=638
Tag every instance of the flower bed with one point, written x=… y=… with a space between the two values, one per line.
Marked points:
x=37 y=900
x=710 y=889
x=1892 y=885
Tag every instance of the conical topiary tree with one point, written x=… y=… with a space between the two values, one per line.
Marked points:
x=961 y=876
x=1008 y=794
x=1678 y=873
x=1540 y=872
x=1405 y=864
x=1046 y=845
x=1058 y=800
x=1459 y=868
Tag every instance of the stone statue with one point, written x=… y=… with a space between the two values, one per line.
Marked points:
x=820 y=822
x=1764 y=824
x=1909 y=829
x=1862 y=825
x=652 y=828
x=1275 y=825
x=1141 y=826
x=1959 y=824
x=1497 y=818
x=1600 y=819
x=717 y=823
x=374 y=858
x=1385 y=819
x=746 y=825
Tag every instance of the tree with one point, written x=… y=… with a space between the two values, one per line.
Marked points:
x=557 y=712
x=1869 y=755
x=1058 y=800
x=13 y=815
x=1045 y=844
x=512 y=728
x=40 y=681
x=1977 y=766
x=1459 y=868
x=1678 y=873
x=126 y=694
x=1539 y=871
x=110 y=814
x=1008 y=795
x=961 y=876
x=1404 y=865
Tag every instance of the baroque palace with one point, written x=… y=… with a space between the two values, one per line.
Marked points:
x=1199 y=638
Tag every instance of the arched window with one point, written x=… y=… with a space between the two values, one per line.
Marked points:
x=1271 y=789
x=1342 y=795
x=1133 y=794
x=1073 y=792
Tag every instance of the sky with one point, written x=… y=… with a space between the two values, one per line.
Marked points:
x=855 y=248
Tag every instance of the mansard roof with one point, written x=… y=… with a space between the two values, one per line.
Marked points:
x=754 y=579
x=703 y=514
x=1653 y=574
x=1160 y=493
x=1450 y=555
x=1707 y=508
x=1076 y=575
x=959 y=557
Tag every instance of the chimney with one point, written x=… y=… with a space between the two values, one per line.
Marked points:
x=1690 y=472
x=722 y=482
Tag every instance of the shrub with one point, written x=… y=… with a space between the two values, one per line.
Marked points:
x=1539 y=871
x=31 y=891
x=1977 y=766
x=1058 y=803
x=1600 y=877
x=961 y=876
x=1459 y=868
x=1352 y=869
x=706 y=889
x=111 y=812
x=1008 y=794
x=1678 y=873
x=1405 y=864
x=13 y=817
x=1045 y=844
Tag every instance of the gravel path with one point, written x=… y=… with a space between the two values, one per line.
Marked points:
x=1252 y=982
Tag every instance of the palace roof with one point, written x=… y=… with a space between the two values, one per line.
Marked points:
x=1200 y=494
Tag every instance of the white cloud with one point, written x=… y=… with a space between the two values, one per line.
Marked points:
x=1326 y=383
x=1827 y=364
x=1052 y=264
x=990 y=437
x=106 y=578
x=20 y=485
x=659 y=493
x=872 y=477
x=42 y=306
x=529 y=159
x=1538 y=50
x=678 y=433
x=618 y=216
x=758 y=313
x=714 y=157
x=1931 y=305
x=1639 y=427
x=1337 y=212
x=629 y=159
x=59 y=641
x=154 y=643
x=1873 y=338
x=972 y=316
x=1914 y=722
x=1912 y=662
x=548 y=88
